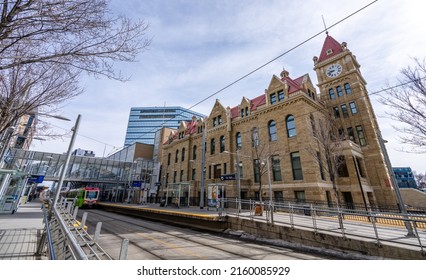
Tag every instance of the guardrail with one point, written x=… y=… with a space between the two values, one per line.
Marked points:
x=356 y=223
x=65 y=238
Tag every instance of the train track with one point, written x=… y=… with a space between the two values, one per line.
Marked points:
x=159 y=241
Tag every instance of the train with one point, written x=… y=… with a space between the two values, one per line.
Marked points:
x=86 y=197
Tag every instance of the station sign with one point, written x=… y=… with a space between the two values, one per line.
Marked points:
x=37 y=179
x=226 y=177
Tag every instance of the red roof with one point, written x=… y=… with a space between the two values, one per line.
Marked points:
x=293 y=85
x=330 y=44
x=258 y=101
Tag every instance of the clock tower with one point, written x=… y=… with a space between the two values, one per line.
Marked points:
x=343 y=91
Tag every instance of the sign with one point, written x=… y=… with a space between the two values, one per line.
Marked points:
x=227 y=177
x=136 y=184
x=35 y=179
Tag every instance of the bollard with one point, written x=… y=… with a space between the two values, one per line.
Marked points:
x=97 y=231
x=124 y=249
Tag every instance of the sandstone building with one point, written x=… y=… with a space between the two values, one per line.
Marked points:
x=278 y=131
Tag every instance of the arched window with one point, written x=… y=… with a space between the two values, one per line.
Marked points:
x=339 y=91
x=255 y=137
x=194 y=152
x=348 y=88
x=331 y=94
x=177 y=156
x=222 y=144
x=183 y=154
x=272 y=131
x=291 y=126
x=212 y=146
x=238 y=140
x=168 y=158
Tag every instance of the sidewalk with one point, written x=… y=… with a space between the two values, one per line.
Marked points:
x=19 y=232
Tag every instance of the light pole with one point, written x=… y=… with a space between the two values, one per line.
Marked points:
x=203 y=168
x=410 y=232
x=65 y=167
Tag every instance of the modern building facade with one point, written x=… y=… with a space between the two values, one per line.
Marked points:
x=405 y=178
x=145 y=121
x=277 y=134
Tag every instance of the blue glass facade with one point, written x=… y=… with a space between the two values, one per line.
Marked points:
x=145 y=121
x=404 y=177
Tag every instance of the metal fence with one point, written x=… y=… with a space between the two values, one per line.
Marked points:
x=376 y=225
x=66 y=238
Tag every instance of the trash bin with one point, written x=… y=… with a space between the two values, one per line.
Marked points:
x=162 y=203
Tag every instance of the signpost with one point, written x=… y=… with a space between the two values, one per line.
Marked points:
x=226 y=177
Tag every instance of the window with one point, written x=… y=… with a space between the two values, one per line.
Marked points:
x=336 y=112
x=352 y=106
x=280 y=95
x=342 y=169
x=177 y=156
x=344 y=110
x=272 y=131
x=339 y=91
x=193 y=174
x=331 y=94
x=168 y=158
x=224 y=168
x=194 y=152
x=341 y=133
x=217 y=172
x=296 y=166
x=351 y=134
x=360 y=164
x=181 y=176
x=321 y=167
x=242 y=113
x=214 y=121
x=183 y=154
x=313 y=126
x=247 y=111
x=255 y=137
x=238 y=140
x=361 y=136
x=174 y=176
x=276 y=168
x=212 y=146
x=210 y=171
x=347 y=88
x=219 y=120
x=300 y=196
x=256 y=170
x=273 y=98
x=291 y=126
x=222 y=144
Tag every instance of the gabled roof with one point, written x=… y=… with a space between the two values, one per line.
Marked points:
x=329 y=44
x=294 y=85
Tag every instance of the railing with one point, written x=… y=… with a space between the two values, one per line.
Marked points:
x=65 y=238
x=368 y=224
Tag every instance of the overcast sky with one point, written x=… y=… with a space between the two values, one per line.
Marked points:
x=201 y=46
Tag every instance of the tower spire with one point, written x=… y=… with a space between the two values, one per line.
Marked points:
x=325 y=26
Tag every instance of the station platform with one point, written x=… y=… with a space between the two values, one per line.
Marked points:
x=20 y=232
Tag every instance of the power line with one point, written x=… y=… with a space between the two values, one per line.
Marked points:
x=253 y=71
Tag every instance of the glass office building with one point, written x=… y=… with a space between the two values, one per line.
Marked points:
x=145 y=121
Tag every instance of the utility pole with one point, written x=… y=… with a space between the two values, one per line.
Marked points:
x=65 y=167
x=408 y=226
x=237 y=165
x=203 y=168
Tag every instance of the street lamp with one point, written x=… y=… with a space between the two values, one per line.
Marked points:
x=401 y=204
x=65 y=167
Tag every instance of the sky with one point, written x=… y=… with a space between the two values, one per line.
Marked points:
x=201 y=46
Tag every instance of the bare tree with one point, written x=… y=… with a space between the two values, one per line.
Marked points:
x=46 y=44
x=408 y=104
x=328 y=148
x=420 y=179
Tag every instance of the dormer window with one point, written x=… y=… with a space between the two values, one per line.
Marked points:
x=219 y=120
x=273 y=98
x=247 y=111
x=242 y=113
x=280 y=95
x=214 y=121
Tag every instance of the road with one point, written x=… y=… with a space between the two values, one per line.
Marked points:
x=149 y=240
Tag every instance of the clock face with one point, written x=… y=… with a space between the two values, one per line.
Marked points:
x=334 y=70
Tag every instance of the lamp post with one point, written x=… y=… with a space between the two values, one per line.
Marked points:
x=408 y=226
x=203 y=168
x=65 y=167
